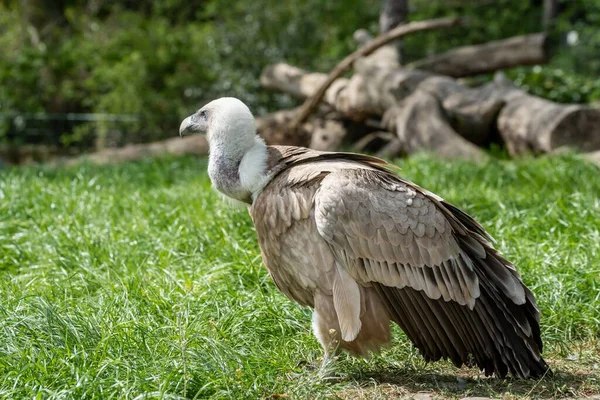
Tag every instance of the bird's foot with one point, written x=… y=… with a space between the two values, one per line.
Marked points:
x=331 y=376
x=305 y=366
x=327 y=372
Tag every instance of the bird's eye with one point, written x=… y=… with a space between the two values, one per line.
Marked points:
x=203 y=114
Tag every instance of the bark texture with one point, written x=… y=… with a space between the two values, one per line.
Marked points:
x=422 y=126
x=489 y=57
x=313 y=101
x=458 y=119
x=529 y=124
x=393 y=13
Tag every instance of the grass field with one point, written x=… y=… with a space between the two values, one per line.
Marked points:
x=136 y=281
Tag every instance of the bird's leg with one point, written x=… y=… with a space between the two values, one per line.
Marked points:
x=327 y=360
x=330 y=342
x=329 y=357
x=330 y=348
x=323 y=319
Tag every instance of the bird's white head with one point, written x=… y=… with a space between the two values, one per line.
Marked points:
x=224 y=120
x=238 y=157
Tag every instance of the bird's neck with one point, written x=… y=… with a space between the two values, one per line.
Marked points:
x=238 y=171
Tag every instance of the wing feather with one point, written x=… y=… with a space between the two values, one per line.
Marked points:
x=297 y=262
x=346 y=300
x=434 y=269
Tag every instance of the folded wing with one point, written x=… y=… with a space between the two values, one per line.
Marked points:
x=434 y=268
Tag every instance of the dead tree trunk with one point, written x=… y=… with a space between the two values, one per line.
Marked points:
x=489 y=57
x=393 y=13
x=550 y=11
x=324 y=131
x=193 y=145
x=529 y=124
x=525 y=123
x=436 y=113
x=314 y=100
x=374 y=90
x=421 y=125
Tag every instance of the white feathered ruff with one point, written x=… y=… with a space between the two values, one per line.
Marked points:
x=253 y=176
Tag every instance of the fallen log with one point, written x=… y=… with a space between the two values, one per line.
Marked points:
x=301 y=84
x=292 y=80
x=529 y=124
x=325 y=131
x=373 y=90
x=488 y=57
x=526 y=123
x=422 y=126
x=272 y=128
x=327 y=135
x=348 y=96
x=191 y=145
x=313 y=101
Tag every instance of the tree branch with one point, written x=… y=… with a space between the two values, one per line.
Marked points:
x=312 y=102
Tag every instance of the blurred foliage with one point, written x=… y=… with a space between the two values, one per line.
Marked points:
x=555 y=84
x=159 y=61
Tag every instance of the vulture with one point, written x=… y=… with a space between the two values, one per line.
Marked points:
x=342 y=233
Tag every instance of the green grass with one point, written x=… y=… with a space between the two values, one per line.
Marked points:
x=136 y=281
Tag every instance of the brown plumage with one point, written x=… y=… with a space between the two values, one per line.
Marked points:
x=343 y=234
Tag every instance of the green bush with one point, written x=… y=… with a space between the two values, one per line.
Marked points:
x=555 y=84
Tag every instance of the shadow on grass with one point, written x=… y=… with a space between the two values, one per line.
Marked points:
x=560 y=384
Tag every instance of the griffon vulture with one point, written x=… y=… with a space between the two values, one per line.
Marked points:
x=343 y=234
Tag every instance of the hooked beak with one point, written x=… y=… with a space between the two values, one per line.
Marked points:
x=189 y=125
